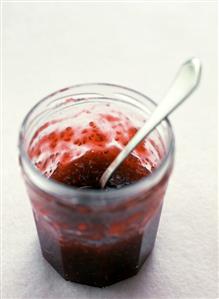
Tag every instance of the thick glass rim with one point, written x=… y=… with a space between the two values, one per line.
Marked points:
x=99 y=196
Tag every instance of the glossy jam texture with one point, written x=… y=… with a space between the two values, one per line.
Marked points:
x=92 y=246
x=78 y=153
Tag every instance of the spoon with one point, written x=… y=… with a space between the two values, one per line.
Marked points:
x=186 y=81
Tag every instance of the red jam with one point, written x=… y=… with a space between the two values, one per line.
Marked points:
x=95 y=247
x=78 y=155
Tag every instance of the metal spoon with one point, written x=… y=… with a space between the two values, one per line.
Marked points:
x=186 y=81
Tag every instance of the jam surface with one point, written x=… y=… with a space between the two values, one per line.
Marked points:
x=77 y=155
x=107 y=246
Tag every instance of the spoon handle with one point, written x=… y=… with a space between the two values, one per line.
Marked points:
x=186 y=81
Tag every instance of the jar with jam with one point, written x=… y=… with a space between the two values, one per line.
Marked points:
x=89 y=235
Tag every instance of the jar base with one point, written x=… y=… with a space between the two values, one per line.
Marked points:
x=97 y=265
x=104 y=282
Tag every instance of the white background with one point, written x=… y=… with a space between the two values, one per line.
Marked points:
x=47 y=46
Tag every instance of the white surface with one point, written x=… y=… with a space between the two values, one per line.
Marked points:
x=49 y=46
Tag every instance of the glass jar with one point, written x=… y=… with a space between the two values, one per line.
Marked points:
x=95 y=237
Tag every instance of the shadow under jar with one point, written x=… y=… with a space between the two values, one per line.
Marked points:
x=93 y=236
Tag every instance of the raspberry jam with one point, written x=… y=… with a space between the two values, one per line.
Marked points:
x=77 y=155
x=91 y=236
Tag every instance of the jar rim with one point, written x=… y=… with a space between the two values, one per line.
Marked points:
x=98 y=197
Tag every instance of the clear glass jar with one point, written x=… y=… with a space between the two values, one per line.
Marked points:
x=95 y=237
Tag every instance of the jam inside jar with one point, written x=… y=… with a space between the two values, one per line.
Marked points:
x=93 y=236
